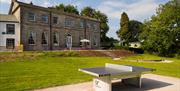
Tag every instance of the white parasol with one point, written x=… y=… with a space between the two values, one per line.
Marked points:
x=84 y=40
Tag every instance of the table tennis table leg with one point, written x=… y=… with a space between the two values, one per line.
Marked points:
x=135 y=81
x=102 y=84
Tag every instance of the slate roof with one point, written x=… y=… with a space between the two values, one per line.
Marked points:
x=8 y=18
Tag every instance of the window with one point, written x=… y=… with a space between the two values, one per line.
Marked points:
x=81 y=24
x=80 y=38
x=95 y=41
x=55 y=38
x=10 y=28
x=68 y=41
x=31 y=16
x=88 y=25
x=55 y=20
x=10 y=43
x=89 y=38
x=69 y=22
x=32 y=37
x=44 y=38
x=94 y=27
x=45 y=18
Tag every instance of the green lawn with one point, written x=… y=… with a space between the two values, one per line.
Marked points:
x=46 y=71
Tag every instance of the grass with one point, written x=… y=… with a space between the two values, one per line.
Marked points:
x=48 y=70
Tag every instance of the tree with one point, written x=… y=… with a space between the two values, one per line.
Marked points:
x=161 y=34
x=59 y=7
x=71 y=9
x=123 y=32
x=88 y=11
x=134 y=30
x=67 y=8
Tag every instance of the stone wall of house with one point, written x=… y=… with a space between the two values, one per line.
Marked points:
x=39 y=27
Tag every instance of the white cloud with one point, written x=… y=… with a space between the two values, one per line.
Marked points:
x=46 y=3
x=26 y=1
x=139 y=10
x=5 y=1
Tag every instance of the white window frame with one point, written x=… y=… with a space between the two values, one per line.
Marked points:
x=45 y=18
x=10 y=42
x=69 y=22
x=34 y=37
x=8 y=30
x=29 y=17
x=95 y=41
x=81 y=24
x=56 y=20
x=46 y=38
x=56 y=34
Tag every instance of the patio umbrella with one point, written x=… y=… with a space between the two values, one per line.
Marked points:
x=84 y=40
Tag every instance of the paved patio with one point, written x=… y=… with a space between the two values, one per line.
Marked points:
x=150 y=82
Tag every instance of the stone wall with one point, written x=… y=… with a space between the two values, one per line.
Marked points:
x=39 y=27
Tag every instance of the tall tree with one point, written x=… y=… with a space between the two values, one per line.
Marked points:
x=67 y=8
x=134 y=30
x=123 y=32
x=161 y=34
x=71 y=9
x=59 y=7
x=88 y=11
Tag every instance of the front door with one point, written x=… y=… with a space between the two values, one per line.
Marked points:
x=10 y=43
x=69 y=41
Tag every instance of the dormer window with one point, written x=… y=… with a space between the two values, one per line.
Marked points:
x=45 y=18
x=31 y=16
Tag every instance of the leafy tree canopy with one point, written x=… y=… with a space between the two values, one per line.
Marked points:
x=67 y=8
x=161 y=34
x=134 y=30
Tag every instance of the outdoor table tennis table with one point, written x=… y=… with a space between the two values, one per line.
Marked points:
x=103 y=76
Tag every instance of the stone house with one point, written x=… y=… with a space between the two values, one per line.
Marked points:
x=44 y=28
x=9 y=33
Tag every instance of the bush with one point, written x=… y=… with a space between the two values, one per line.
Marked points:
x=137 y=50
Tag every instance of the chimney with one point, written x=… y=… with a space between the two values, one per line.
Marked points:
x=31 y=3
x=13 y=0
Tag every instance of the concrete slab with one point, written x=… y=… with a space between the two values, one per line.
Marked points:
x=150 y=82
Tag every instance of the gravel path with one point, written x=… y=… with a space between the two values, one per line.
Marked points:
x=150 y=82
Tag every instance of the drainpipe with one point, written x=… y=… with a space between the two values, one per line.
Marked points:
x=50 y=29
x=85 y=23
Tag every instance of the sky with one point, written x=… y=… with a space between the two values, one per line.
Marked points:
x=136 y=9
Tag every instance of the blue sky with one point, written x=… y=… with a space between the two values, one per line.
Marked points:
x=136 y=9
